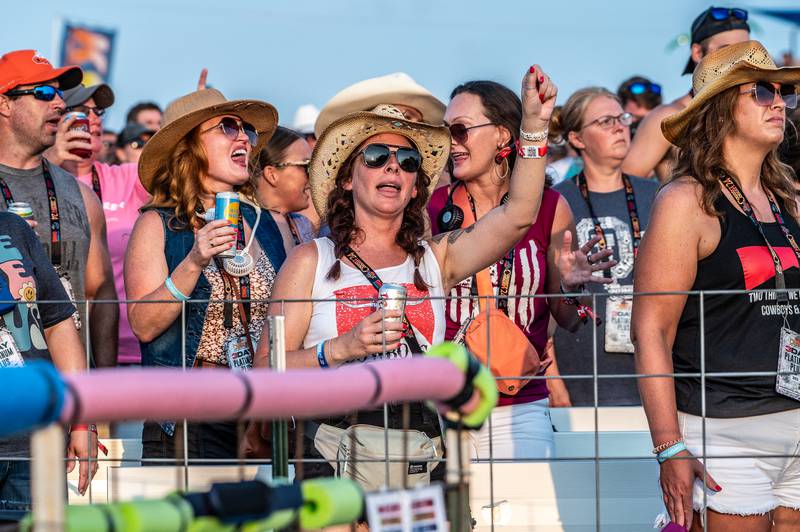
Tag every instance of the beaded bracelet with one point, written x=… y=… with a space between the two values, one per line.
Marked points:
x=666 y=445
x=670 y=452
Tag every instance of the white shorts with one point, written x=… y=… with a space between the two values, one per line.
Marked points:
x=518 y=432
x=756 y=460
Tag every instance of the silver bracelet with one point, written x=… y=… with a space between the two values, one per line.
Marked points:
x=537 y=136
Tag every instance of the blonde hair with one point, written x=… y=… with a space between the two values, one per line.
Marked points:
x=569 y=117
x=177 y=183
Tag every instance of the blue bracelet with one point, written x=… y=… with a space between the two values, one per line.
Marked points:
x=323 y=362
x=177 y=294
x=670 y=452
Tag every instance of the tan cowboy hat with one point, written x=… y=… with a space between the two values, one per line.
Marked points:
x=725 y=68
x=343 y=136
x=188 y=112
x=398 y=88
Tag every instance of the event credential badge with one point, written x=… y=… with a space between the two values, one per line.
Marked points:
x=619 y=305
x=9 y=352
x=788 y=380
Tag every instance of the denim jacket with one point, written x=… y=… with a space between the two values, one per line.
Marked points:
x=165 y=350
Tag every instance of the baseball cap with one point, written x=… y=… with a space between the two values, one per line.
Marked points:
x=132 y=132
x=102 y=94
x=25 y=67
x=712 y=21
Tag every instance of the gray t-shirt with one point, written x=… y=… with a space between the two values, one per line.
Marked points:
x=575 y=351
x=27 y=276
x=29 y=186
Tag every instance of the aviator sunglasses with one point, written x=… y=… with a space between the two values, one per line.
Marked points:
x=377 y=155
x=231 y=128
x=45 y=93
x=764 y=94
x=460 y=132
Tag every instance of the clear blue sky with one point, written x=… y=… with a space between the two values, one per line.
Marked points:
x=290 y=52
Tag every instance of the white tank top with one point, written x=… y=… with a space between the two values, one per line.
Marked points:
x=331 y=318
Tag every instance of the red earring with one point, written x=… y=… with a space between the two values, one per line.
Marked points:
x=502 y=154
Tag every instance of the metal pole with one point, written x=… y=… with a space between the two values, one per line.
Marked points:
x=457 y=477
x=280 y=428
x=48 y=478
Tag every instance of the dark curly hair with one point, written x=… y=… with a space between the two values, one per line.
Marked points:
x=342 y=220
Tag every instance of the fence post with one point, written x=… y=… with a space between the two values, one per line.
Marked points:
x=48 y=478
x=457 y=478
x=280 y=429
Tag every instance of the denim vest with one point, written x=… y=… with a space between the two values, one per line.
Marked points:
x=165 y=350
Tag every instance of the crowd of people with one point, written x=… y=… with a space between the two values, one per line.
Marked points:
x=476 y=208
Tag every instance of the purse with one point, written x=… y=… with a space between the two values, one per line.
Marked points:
x=491 y=336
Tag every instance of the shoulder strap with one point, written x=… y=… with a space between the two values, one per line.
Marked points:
x=482 y=278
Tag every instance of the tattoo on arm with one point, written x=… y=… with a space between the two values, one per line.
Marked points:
x=452 y=236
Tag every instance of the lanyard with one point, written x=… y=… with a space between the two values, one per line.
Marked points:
x=507 y=266
x=244 y=286
x=633 y=213
x=293 y=229
x=52 y=201
x=741 y=200
x=96 y=184
x=376 y=283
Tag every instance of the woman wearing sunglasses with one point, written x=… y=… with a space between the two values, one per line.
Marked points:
x=726 y=222
x=174 y=254
x=485 y=120
x=371 y=176
x=611 y=210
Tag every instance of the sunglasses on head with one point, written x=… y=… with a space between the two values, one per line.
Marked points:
x=85 y=109
x=609 y=121
x=377 y=155
x=724 y=13
x=303 y=164
x=764 y=94
x=460 y=132
x=641 y=88
x=45 y=93
x=232 y=127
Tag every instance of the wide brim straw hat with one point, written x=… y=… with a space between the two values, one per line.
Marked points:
x=398 y=88
x=343 y=136
x=727 y=67
x=188 y=112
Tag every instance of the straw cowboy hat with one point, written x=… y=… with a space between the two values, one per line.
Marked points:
x=343 y=136
x=398 y=88
x=188 y=112
x=725 y=68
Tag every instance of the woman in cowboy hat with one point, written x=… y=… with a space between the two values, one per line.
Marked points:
x=202 y=149
x=726 y=221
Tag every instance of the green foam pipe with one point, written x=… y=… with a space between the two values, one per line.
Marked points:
x=95 y=518
x=167 y=515
x=330 y=501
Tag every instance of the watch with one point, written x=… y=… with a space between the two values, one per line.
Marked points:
x=531 y=152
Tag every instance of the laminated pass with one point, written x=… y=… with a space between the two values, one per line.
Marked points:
x=788 y=379
x=67 y=284
x=238 y=354
x=10 y=355
x=619 y=306
x=419 y=509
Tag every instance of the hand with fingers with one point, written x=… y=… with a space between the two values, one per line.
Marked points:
x=538 y=99
x=677 y=482
x=82 y=445
x=210 y=240
x=577 y=266
x=68 y=139
x=370 y=336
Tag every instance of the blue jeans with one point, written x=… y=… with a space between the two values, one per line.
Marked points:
x=15 y=489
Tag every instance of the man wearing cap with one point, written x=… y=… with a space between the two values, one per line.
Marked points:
x=118 y=188
x=130 y=142
x=714 y=28
x=30 y=109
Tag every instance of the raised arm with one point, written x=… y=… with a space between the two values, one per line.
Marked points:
x=463 y=252
x=649 y=146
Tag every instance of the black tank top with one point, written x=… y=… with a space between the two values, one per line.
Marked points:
x=742 y=332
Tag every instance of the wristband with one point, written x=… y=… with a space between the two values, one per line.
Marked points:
x=177 y=294
x=666 y=445
x=531 y=152
x=670 y=452
x=83 y=427
x=323 y=362
x=570 y=300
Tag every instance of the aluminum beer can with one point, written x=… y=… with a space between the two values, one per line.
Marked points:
x=21 y=209
x=393 y=297
x=81 y=123
x=226 y=207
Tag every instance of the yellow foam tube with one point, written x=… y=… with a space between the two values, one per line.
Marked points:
x=166 y=515
x=86 y=518
x=330 y=501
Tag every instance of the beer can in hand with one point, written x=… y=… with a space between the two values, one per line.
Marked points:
x=81 y=123
x=22 y=209
x=393 y=297
x=226 y=207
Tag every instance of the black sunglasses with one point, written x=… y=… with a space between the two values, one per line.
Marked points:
x=764 y=94
x=724 y=13
x=460 y=132
x=231 y=128
x=640 y=88
x=45 y=93
x=85 y=109
x=377 y=155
